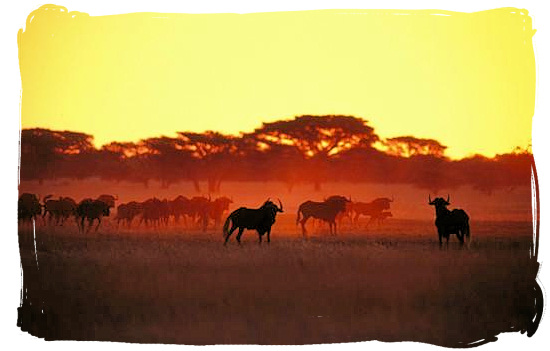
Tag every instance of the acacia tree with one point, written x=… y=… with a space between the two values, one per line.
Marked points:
x=213 y=151
x=408 y=146
x=48 y=154
x=317 y=138
x=170 y=160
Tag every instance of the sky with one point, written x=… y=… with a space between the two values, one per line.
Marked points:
x=464 y=79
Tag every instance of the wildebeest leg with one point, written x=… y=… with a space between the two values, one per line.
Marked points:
x=233 y=227
x=81 y=227
x=440 y=235
x=334 y=224
x=241 y=230
x=268 y=235
x=260 y=234
x=98 y=223
x=303 y=223
x=90 y=224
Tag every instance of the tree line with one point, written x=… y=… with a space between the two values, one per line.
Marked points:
x=306 y=149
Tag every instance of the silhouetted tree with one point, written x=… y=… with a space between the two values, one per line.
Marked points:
x=214 y=151
x=407 y=146
x=317 y=138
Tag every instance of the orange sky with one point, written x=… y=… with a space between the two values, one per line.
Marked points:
x=467 y=80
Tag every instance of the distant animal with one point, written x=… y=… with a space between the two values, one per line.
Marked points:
x=259 y=219
x=217 y=208
x=28 y=207
x=58 y=210
x=180 y=207
x=325 y=211
x=371 y=209
x=127 y=212
x=449 y=222
x=91 y=210
x=379 y=217
x=108 y=199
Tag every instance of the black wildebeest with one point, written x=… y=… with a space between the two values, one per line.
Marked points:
x=127 y=212
x=449 y=222
x=261 y=219
x=325 y=211
x=372 y=209
x=91 y=210
x=28 y=207
x=59 y=210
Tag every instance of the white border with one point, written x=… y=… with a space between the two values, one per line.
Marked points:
x=14 y=17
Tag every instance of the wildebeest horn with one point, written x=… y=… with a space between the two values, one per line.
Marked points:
x=429 y=199
x=448 y=197
x=280 y=204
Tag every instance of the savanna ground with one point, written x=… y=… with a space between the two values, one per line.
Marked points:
x=171 y=285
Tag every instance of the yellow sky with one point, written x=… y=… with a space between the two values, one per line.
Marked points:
x=467 y=80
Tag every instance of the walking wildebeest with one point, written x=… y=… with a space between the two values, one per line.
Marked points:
x=28 y=207
x=91 y=210
x=217 y=208
x=59 y=210
x=127 y=212
x=449 y=222
x=325 y=211
x=372 y=209
x=260 y=219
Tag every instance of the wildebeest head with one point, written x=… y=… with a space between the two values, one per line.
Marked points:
x=108 y=199
x=271 y=205
x=439 y=201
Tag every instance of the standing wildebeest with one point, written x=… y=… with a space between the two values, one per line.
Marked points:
x=199 y=206
x=28 y=207
x=449 y=222
x=325 y=211
x=127 y=212
x=217 y=208
x=59 y=210
x=260 y=219
x=180 y=207
x=372 y=209
x=91 y=210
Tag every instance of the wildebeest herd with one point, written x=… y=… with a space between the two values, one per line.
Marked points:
x=201 y=212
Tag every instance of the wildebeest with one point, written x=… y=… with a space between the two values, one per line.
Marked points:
x=261 y=219
x=217 y=209
x=59 y=210
x=180 y=207
x=379 y=217
x=91 y=210
x=372 y=209
x=127 y=212
x=108 y=199
x=325 y=211
x=449 y=222
x=28 y=207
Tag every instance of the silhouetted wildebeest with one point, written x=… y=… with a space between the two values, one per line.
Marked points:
x=260 y=219
x=379 y=217
x=91 y=210
x=372 y=209
x=153 y=212
x=200 y=206
x=449 y=222
x=108 y=199
x=325 y=211
x=127 y=212
x=59 y=210
x=217 y=208
x=28 y=207
x=180 y=207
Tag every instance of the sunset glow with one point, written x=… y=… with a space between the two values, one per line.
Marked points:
x=466 y=80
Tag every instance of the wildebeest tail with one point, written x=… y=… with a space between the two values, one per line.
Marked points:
x=226 y=226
